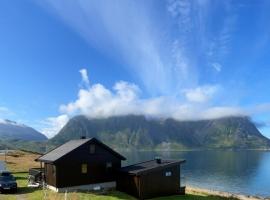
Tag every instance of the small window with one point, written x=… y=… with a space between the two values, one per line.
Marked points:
x=84 y=168
x=53 y=170
x=168 y=173
x=108 y=165
x=92 y=148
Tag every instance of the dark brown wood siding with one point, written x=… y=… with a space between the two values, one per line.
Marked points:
x=69 y=167
x=154 y=183
x=50 y=174
x=128 y=184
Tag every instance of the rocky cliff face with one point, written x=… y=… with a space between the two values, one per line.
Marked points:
x=128 y=132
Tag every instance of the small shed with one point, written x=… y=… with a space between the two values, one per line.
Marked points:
x=81 y=164
x=151 y=179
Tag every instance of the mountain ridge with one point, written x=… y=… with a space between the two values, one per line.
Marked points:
x=139 y=132
x=11 y=130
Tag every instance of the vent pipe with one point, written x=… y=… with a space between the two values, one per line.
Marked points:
x=158 y=160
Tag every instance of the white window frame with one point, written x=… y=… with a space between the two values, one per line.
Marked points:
x=168 y=173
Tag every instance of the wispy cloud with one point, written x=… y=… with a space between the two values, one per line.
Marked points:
x=130 y=29
x=5 y=112
x=4 y=109
x=217 y=66
x=85 y=78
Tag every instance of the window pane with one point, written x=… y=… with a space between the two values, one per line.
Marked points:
x=84 y=168
x=108 y=164
x=168 y=173
x=92 y=148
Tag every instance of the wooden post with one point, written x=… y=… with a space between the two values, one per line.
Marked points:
x=5 y=156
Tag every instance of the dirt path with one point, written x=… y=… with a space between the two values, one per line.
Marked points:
x=21 y=197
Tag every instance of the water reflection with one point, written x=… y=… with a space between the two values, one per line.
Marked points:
x=245 y=172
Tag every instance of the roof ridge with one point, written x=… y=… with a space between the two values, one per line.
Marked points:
x=86 y=140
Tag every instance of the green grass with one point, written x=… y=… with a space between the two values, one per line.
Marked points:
x=25 y=193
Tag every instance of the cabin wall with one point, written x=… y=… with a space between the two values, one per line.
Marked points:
x=156 y=183
x=70 y=167
x=50 y=171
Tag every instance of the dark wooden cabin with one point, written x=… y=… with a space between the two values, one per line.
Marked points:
x=151 y=179
x=80 y=162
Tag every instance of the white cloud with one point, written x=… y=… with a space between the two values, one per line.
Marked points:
x=217 y=66
x=217 y=112
x=200 y=94
x=101 y=102
x=53 y=125
x=98 y=101
x=85 y=78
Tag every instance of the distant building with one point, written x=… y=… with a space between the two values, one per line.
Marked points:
x=151 y=179
x=81 y=164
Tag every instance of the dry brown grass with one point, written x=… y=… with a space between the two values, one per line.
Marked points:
x=20 y=161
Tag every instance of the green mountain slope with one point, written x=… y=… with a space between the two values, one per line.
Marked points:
x=138 y=132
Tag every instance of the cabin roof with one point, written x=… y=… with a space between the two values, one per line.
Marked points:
x=71 y=145
x=150 y=165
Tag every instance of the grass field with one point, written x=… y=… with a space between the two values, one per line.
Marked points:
x=19 y=163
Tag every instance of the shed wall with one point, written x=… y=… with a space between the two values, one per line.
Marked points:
x=50 y=174
x=151 y=184
x=128 y=184
x=156 y=183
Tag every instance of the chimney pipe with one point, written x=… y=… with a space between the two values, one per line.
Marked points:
x=158 y=160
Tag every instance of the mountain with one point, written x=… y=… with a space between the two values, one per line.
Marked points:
x=10 y=130
x=139 y=132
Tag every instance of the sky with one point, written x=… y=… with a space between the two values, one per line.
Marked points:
x=184 y=59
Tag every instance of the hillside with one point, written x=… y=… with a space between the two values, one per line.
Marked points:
x=10 y=130
x=128 y=132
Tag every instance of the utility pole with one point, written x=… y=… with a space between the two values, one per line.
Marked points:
x=6 y=155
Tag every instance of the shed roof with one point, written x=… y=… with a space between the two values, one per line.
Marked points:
x=71 y=145
x=150 y=165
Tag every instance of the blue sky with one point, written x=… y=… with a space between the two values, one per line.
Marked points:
x=176 y=58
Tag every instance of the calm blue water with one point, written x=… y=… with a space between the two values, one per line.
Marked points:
x=245 y=172
x=2 y=165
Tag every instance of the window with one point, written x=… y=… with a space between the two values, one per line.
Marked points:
x=108 y=165
x=53 y=170
x=92 y=148
x=84 y=168
x=168 y=173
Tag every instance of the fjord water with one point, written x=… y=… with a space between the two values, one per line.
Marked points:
x=244 y=172
x=2 y=165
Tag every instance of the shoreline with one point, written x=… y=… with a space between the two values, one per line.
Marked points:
x=196 y=190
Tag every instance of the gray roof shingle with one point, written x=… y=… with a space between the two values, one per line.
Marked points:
x=66 y=148
x=62 y=150
x=146 y=166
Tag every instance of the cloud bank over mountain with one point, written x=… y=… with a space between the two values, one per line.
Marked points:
x=97 y=101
